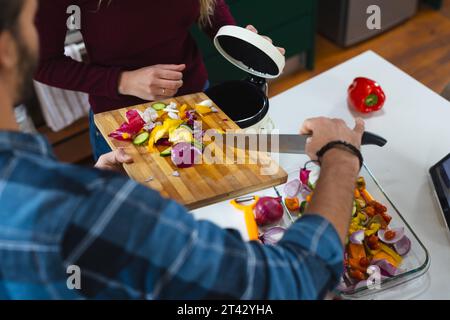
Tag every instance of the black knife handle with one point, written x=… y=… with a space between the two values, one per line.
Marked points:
x=370 y=138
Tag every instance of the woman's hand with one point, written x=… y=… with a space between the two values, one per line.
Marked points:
x=157 y=82
x=253 y=29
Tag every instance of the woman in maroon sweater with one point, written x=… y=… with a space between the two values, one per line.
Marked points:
x=138 y=50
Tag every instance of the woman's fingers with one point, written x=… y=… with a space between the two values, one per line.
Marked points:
x=168 y=84
x=169 y=74
x=252 y=28
x=268 y=39
x=173 y=67
x=166 y=93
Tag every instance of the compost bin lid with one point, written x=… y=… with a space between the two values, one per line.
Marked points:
x=249 y=52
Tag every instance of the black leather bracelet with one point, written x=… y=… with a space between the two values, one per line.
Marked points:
x=347 y=146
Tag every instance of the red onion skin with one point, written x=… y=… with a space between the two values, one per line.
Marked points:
x=182 y=160
x=386 y=268
x=268 y=210
x=267 y=237
x=403 y=246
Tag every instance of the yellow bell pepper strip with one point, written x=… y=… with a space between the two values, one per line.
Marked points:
x=293 y=204
x=157 y=133
x=397 y=258
x=202 y=110
x=182 y=111
x=381 y=255
x=171 y=124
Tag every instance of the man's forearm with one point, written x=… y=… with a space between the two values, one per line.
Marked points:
x=333 y=196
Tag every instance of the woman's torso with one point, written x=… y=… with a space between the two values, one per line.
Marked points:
x=140 y=33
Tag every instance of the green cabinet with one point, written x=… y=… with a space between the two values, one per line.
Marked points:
x=436 y=4
x=290 y=23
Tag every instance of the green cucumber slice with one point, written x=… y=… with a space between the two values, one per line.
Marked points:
x=141 y=138
x=185 y=126
x=159 y=106
x=166 y=153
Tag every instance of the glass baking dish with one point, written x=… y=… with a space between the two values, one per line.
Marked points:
x=415 y=263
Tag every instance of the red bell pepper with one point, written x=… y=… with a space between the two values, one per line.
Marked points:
x=365 y=95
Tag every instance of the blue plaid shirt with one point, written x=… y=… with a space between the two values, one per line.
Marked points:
x=129 y=243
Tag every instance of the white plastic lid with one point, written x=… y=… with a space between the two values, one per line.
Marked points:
x=249 y=52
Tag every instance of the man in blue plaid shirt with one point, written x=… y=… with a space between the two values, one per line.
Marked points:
x=124 y=240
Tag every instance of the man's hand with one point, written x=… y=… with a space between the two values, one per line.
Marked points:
x=333 y=195
x=325 y=130
x=114 y=160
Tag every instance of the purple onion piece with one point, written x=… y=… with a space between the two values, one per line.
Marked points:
x=292 y=188
x=385 y=266
x=403 y=246
x=185 y=155
x=272 y=235
x=357 y=237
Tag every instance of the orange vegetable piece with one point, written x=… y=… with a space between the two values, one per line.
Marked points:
x=293 y=204
x=357 y=194
x=367 y=196
x=357 y=274
x=364 y=262
x=354 y=264
x=370 y=211
x=356 y=251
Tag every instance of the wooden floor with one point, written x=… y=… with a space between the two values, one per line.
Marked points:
x=420 y=47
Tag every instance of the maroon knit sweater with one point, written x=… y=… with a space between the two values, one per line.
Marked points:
x=124 y=36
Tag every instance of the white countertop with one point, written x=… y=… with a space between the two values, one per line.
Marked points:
x=415 y=121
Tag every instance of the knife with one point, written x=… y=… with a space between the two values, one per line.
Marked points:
x=284 y=143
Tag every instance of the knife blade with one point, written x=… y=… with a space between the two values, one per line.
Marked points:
x=284 y=143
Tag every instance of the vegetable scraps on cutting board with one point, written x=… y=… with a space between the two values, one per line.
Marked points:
x=167 y=126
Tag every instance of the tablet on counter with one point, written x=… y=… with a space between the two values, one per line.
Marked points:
x=440 y=177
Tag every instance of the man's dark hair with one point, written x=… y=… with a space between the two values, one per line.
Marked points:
x=9 y=14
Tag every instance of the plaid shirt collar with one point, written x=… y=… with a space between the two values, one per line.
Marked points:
x=18 y=142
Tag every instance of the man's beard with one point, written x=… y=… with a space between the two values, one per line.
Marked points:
x=25 y=70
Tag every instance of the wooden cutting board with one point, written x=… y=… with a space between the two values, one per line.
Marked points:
x=200 y=185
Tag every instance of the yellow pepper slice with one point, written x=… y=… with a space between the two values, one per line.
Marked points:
x=202 y=110
x=157 y=133
x=398 y=259
x=171 y=124
x=182 y=111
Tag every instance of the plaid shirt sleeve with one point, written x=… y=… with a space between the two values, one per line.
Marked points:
x=131 y=243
